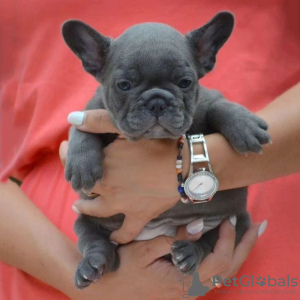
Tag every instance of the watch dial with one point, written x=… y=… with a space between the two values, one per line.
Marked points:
x=201 y=186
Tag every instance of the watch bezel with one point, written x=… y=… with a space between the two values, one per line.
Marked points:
x=207 y=196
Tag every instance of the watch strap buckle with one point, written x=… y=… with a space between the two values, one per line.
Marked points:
x=194 y=201
x=198 y=158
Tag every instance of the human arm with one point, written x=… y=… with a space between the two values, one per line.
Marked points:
x=279 y=159
x=32 y=243
x=45 y=253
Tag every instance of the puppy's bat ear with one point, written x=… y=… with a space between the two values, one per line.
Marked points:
x=207 y=40
x=88 y=44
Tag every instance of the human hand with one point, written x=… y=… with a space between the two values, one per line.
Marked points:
x=143 y=274
x=140 y=173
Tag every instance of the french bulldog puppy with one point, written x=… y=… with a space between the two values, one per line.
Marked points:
x=149 y=85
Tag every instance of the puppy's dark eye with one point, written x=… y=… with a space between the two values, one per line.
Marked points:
x=184 y=83
x=124 y=85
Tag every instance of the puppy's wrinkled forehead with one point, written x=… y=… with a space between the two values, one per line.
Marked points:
x=150 y=50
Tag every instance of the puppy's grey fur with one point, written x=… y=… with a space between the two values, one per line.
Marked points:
x=150 y=88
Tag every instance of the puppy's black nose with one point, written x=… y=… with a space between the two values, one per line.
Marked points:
x=156 y=106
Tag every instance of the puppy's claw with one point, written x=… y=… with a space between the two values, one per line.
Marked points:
x=89 y=270
x=186 y=256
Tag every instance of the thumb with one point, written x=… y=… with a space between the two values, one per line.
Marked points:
x=94 y=121
x=130 y=228
x=63 y=150
x=97 y=207
x=153 y=249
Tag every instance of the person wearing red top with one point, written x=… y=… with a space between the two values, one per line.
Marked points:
x=42 y=82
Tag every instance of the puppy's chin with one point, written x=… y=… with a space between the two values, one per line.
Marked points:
x=159 y=132
x=155 y=132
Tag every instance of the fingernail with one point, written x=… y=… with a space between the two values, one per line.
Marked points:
x=260 y=152
x=262 y=227
x=76 y=118
x=115 y=243
x=232 y=220
x=195 y=227
x=271 y=142
x=75 y=209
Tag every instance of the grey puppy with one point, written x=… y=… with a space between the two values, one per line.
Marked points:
x=150 y=88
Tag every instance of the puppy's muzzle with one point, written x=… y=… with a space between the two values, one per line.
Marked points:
x=157 y=106
x=157 y=100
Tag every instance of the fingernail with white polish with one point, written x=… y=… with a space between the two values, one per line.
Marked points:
x=75 y=209
x=195 y=227
x=76 y=118
x=262 y=227
x=232 y=220
x=115 y=243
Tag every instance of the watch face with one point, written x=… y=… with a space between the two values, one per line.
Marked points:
x=201 y=185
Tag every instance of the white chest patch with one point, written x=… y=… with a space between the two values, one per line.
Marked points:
x=168 y=227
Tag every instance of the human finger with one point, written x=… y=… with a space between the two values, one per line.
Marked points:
x=93 y=121
x=97 y=207
x=226 y=242
x=245 y=246
x=219 y=260
x=149 y=251
x=193 y=231
x=63 y=150
x=240 y=254
x=130 y=229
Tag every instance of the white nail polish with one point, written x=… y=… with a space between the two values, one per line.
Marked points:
x=75 y=209
x=195 y=227
x=232 y=220
x=262 y=227
x=115 y=243
x=76 y=118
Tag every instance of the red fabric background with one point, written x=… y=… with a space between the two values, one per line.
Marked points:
x=42 y=81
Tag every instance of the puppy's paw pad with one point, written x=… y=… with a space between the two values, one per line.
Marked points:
x=89 y=270
x=186 y=256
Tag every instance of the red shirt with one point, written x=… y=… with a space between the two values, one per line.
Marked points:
x=42 y=81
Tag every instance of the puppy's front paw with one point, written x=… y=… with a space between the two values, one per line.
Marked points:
x=89 y=270
x=186 y=256
x=83 y=170
x=247 y=132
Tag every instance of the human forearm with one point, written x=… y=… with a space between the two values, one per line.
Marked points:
x=30 y=242
x=279 y=159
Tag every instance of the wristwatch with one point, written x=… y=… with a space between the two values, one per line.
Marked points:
x=200 y=186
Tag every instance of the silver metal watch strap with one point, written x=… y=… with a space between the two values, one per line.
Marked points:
x=198 y=158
